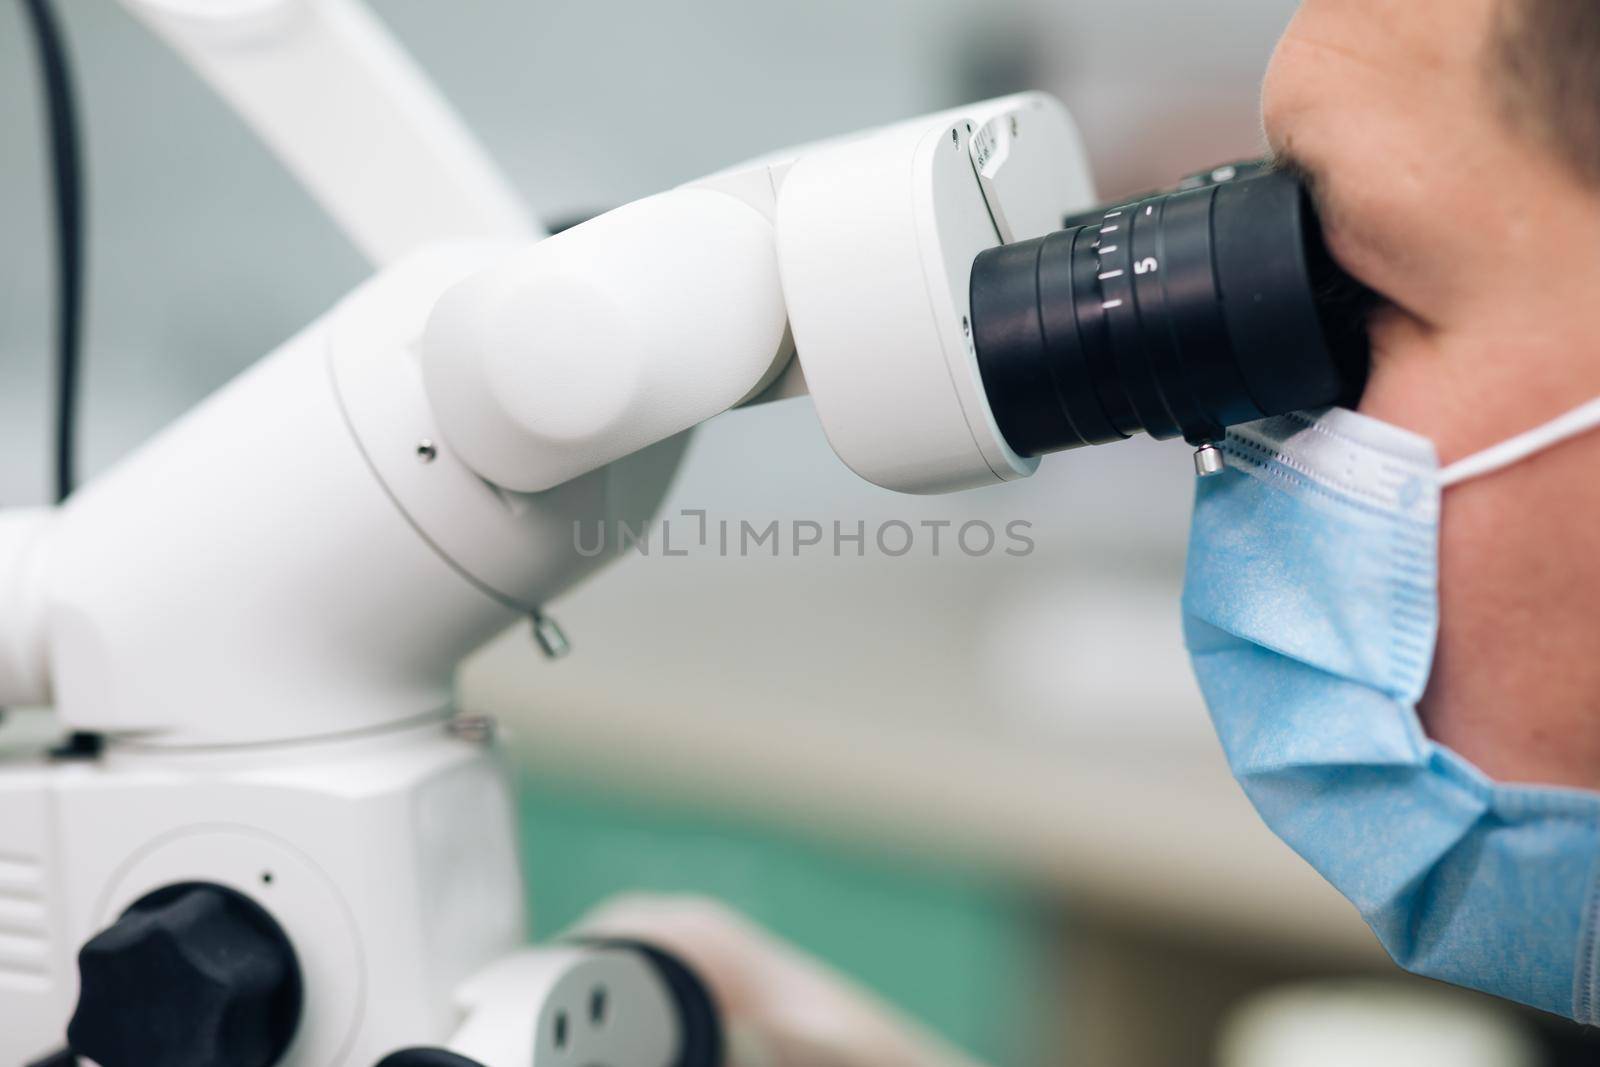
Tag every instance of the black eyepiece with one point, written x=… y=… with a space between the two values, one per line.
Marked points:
x=1180 y=314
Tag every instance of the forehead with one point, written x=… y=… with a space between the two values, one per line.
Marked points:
x=1380 y=76
x=1397 y=42
x=1387 y=106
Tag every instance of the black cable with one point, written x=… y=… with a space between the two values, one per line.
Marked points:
x=66 y=165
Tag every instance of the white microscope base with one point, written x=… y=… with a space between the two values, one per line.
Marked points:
x=389 y=859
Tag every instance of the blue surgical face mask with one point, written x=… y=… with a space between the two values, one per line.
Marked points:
x=1311 y=609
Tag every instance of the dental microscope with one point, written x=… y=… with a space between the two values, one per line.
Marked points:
x=288 y=848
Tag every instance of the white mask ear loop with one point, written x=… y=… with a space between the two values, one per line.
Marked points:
x=1579 y=420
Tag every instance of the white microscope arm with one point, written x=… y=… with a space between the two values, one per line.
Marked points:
x=336 y=98
x=552 y=383
x=574 y=352
x=263 y=606
x=396 y=484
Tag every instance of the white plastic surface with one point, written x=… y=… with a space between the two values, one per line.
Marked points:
x=1031 y=166
x=243 y=577
x=389 y=861
x=275 y=565
x=36 y=957
x=1029 y=158
x=512 y=1009
x=328 y=89
x=602 y=340
x=24 y=543
x=876 y=238
x=521 y=548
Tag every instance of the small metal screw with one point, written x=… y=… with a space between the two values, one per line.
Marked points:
x=427 y=451
x=1208 y=461
x=478 y=729
x=549 y=636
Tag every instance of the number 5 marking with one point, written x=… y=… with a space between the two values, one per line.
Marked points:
x=1147 y=265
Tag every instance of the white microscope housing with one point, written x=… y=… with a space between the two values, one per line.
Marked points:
x=261 y=609
x=584 y=348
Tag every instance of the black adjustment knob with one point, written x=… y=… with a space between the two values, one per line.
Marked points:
x=426 y=1057
x=193 y=975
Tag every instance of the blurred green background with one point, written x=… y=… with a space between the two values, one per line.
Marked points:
x=950 y=945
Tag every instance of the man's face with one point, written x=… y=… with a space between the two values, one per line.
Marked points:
x=1486 y=248
x=1431 y=197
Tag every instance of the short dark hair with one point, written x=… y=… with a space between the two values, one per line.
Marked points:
x=1545 y=58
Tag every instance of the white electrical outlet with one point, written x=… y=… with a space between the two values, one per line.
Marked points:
x=583 y=1005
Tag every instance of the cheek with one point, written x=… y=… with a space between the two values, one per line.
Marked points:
x=1402 y=388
